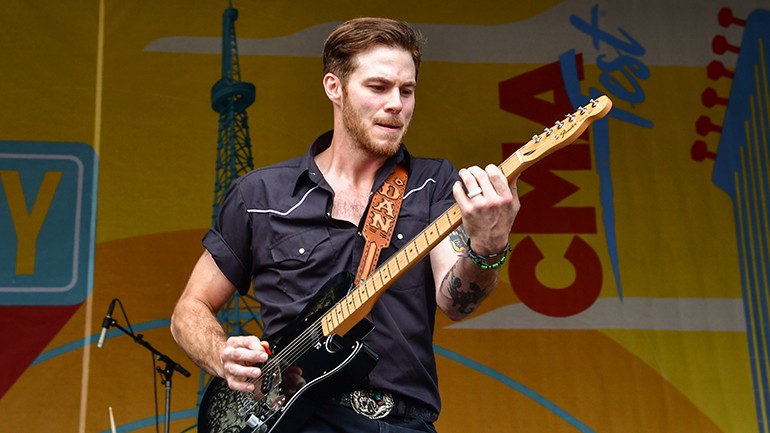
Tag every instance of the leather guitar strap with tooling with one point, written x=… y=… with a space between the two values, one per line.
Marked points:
x=381 y=220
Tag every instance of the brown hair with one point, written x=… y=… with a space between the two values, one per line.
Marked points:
x=358 y=35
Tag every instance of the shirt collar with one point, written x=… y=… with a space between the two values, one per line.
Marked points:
x=309 y=171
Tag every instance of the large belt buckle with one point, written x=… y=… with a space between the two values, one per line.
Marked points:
x=372 y=404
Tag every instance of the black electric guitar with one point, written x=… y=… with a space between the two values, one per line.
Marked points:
x=325 y=341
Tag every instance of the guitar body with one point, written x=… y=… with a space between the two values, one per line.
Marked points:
x=329 y=365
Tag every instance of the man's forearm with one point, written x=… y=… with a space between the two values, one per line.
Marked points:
x=200 y=336
x=464 y=287
x=466 y=283
x=470 y=279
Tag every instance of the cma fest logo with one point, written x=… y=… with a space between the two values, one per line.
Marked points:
x=622 y=71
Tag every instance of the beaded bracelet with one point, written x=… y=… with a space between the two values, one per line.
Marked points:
x=481 y=261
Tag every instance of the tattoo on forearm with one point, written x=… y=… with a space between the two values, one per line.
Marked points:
x=465 y=301
x=459 y=240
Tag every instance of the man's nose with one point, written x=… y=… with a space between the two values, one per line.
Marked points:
x=394 y=102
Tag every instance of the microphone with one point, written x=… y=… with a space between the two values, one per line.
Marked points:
x=106 y=323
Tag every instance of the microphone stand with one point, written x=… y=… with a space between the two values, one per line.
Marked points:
x=165 y=373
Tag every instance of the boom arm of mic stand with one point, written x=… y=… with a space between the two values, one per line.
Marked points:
x=165 y=373
x=170 y=363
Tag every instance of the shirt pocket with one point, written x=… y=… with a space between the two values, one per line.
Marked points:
x=298 y=246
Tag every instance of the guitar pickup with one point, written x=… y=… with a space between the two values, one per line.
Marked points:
x=269 y=378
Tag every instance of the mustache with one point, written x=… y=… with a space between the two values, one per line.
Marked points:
x=392 y=121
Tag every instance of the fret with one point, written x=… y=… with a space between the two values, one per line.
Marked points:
x=423 y=243
x=351 y=304
x=431 y=234
x=327 y=324
x=375 y=285
x=367 y=290
x=395 y=260
x=456 y=215
x=448 y=214
x=370 y=289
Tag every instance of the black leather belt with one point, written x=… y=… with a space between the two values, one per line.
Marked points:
x=377 y=404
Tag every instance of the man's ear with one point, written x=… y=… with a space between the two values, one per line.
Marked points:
x=332 y=87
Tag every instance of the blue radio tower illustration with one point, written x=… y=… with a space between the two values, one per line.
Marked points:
x=230 y=97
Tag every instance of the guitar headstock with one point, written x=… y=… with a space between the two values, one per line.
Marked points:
x=563 y=132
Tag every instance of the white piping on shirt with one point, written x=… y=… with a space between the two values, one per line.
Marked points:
x=288 y=211
x=430 y=179
x=293 y=208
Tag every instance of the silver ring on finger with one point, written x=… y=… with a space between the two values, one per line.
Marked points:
x=474 y=192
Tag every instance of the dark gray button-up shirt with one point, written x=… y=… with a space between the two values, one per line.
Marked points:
x=274 y=232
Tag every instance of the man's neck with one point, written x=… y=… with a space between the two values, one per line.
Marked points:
x=346 y=165
x=350 y=172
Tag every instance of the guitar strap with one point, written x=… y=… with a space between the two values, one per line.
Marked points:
x=381 y=220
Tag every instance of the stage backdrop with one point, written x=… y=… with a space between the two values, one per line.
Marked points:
x=635 y=299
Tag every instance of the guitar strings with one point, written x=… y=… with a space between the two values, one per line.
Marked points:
x=273 y=366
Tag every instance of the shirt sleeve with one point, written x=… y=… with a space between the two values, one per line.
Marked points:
x=447 y=176
x=229 y=240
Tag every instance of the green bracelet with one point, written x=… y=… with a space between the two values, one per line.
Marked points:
x=481 y=261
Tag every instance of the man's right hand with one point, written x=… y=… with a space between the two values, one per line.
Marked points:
x=240 y=359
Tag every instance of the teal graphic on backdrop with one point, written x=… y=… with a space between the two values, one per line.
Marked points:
x=47 y=221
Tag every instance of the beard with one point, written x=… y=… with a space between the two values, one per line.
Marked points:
x=357 y=129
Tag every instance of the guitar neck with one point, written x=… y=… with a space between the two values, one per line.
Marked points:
x=360 y=301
